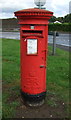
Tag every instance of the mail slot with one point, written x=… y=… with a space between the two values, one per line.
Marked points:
x=34 y=46
x=38 y=33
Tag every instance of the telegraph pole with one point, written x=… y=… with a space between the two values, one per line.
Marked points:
x=54 y=43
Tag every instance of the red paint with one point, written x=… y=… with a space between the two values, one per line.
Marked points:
x=33 y=78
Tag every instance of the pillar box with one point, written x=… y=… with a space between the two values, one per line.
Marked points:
x=34 y=46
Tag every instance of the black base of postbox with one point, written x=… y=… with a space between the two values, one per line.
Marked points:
x=34 y=100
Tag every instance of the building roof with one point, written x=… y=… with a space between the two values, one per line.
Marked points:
x=57 y=22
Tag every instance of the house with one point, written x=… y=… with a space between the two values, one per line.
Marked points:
x=57 y=22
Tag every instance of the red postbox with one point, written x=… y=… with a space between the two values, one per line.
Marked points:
x=33 y=35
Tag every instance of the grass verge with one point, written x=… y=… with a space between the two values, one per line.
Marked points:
x=57 y=76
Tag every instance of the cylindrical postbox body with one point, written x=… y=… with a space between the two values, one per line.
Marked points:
x=33 y=35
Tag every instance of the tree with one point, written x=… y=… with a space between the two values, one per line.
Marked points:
x=53 y=19
x=60 y=19
x=67 y=18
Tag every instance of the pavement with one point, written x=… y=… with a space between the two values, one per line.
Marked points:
x=67 y=48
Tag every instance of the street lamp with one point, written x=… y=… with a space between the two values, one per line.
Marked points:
x=40 y=3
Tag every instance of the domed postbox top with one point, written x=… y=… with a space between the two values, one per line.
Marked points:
x=34 y=12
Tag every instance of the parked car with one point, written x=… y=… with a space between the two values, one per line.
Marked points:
x=51 y=33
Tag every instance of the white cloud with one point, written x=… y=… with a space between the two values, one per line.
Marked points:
x=59 y=7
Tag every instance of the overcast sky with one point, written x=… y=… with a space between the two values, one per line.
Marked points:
x=8 y=7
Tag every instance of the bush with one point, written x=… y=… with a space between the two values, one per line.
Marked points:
x=66 y=27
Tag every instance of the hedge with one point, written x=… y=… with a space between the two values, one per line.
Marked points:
x=60 y=27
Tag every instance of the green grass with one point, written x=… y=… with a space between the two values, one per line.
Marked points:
x=58 y=73
x=57 y=76
x=11 y=76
